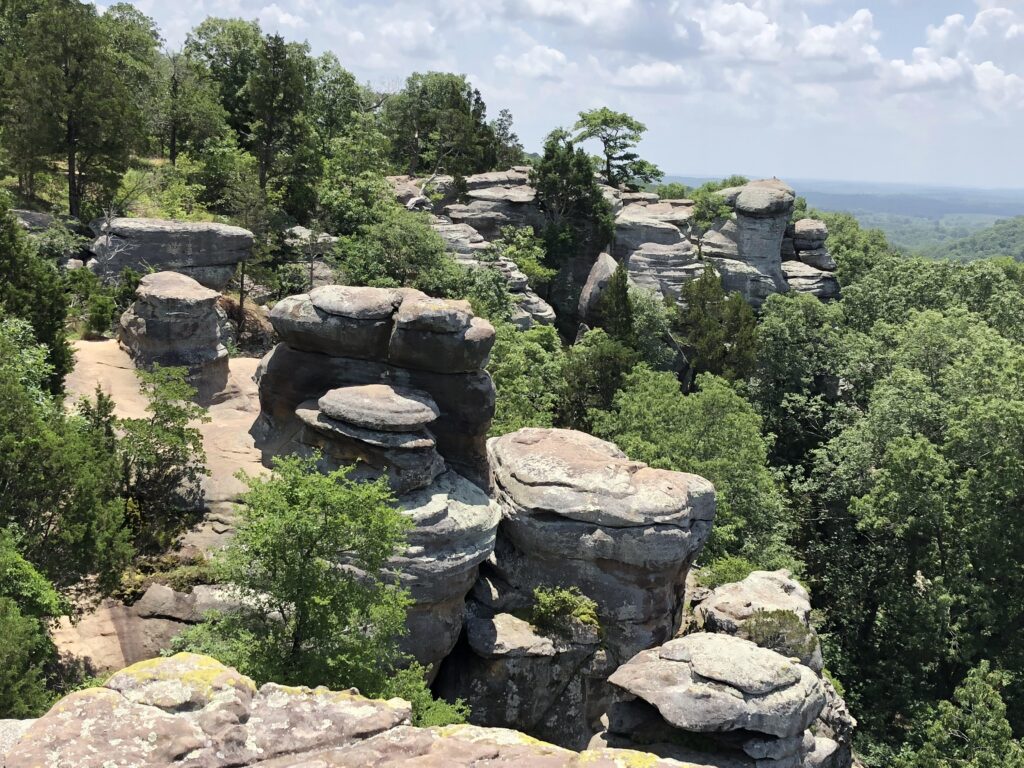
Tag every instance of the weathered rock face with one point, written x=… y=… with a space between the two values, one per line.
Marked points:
x=340 y=336
x=807 y=262
x=206 y=251
x=577 y=512
x=804 y=278
x=191 y=710
x=730 y=608
x=600 y=275
x=177 y=322
x=755 y=704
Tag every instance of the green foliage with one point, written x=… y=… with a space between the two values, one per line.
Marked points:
x=714 y=433
x=578 y=217
x=31 y=289
x=708 y=208
x=23 y=654
x=672 y=191
x=716 y=330
x=781 y=631
x=557 y=609
x=615 y=309
x=162 y=455
x=188 y=109
x=594 y=370
x=399 y=250
x=526 y=367
x=427 y=712
x=305 y=620
x=487 y=291
x=522 y=246
x=1003 y=239
x=652 y=334
x=970 y=731
x=59 y=476
x=437 y=124
x=22 y=583
x=727 y=569
x=619 y=134
x=100 y=315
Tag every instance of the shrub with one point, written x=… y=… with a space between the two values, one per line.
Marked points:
x=725 y=570
x=780 y=631
x=556 y=609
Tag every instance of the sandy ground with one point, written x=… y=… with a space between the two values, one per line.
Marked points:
x=113 y=636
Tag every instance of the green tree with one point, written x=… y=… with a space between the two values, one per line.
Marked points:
x=438 y=124
x=71 y=83
x=31 y=289
x=717 y=330
x=615 y=309
x=713 y=433
x=230 y=49
x=578 y=218
x=23 y=655
x=526 y=367
x=309 y=562
x=508 y=150
x=522 y=246
x=189 y=109
x=619 y=134
x=335 y=98
x=970 y=731
x=593 y=371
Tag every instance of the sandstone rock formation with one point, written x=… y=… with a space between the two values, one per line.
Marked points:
x=206 y=251
x=496 y=200
x=806 y=262
x=392 y=382
x=177 y=322
x=752 y=705
x=730 y=608
x=804 y=278
x=598 y=279
x=190 y=710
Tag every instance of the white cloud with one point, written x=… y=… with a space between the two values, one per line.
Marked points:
x=274 y=17
x=653 y=75
x=739 y=31
x=539 y=62
x=851 y=40
x=585 y=12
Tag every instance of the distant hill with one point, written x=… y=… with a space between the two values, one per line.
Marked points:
x=1004 y=238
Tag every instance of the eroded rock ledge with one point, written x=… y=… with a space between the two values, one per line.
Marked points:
x=190 y=710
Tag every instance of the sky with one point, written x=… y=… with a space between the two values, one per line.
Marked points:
x=906 y=91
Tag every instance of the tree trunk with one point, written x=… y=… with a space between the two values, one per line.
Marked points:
x=173 y=149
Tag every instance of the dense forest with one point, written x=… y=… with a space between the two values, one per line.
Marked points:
x=873 y=445
x=1004 y=238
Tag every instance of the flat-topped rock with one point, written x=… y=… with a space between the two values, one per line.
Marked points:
x=709 y=683
x=174 y=287
x=362 y=303
x=436 y=315
x=729 y=606
x=819 y=258
x=207 y=251
x=804 y=278
x=584 y=478
x=810 y=233
x=380 y=407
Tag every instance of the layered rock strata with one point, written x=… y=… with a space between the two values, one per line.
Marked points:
x=205 y=251
x=191 y=710
x=362 y=379
x=175 y=321
x=806 y=260
x=730 y=609
x=753 y=707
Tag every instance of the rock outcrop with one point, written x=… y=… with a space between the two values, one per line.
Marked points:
x=205 y=251
x=807 y=263
x=191 y=710
x=175 y=321
x=391 y=382
x=762 y=597
x=803 y=278
x=576 y=513
x=752 y=706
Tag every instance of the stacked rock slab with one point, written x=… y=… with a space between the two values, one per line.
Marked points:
x=576 y=513
x=753 y=707
x=191 y=710
x=807 y=263
x=729 y=608
x=175 y=321
x=653 y=240
x=204 y=250
x=496 y=200
x=392 y=382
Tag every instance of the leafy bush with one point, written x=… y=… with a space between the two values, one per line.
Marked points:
x=526 y=367
x=521 y=245
x=725 y=570
x=23 y=654
x=780 y=631
x=101 y=314
x=556 y=609
x=427 y=712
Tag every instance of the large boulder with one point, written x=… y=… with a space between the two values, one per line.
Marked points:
x=206 y=251
x=600 y=275
x=754 y=705
x=804 y=278
x=175 y=321
x=577 y=512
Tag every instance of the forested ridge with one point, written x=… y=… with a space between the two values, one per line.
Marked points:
x=873 y=445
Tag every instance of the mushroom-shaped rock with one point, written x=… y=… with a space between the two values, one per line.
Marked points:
x=577 y=511
x=708 y=683
x=380 y=407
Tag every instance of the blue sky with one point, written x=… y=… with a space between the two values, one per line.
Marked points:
x=912 y=91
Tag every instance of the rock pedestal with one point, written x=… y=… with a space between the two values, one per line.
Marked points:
x=391 y=382
x=203 y=250
x=807 y=263
x=175 y=321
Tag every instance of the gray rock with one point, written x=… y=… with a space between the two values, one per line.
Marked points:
x=819 y=258
x=635 y=228
x=207 y=251
x=177 y=322
x=539 y=311
x=664 y=269
x=577 y=512
x=488 y=213
x=33 y=221
x=809 y=234
x=513 y=177
x=708 y=683
x=380 y=407
x=308 y=242
x=804 y=278
x=600 y=274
